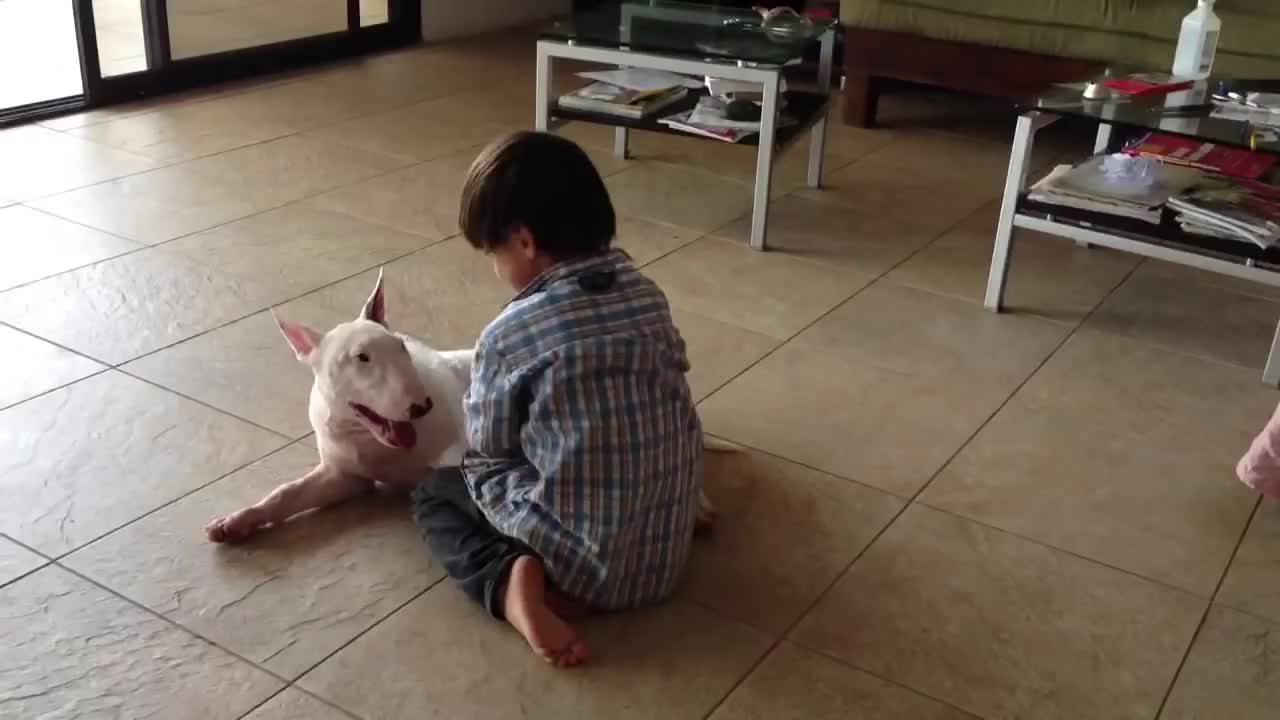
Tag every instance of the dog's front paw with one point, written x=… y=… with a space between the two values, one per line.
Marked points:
x=231 y=528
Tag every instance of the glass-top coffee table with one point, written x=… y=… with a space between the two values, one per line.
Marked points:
x=698 y=40
x=1120 y=117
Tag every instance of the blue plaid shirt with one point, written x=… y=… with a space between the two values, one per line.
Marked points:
x=584 y=440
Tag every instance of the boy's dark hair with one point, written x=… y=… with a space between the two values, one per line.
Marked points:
x=545 y=183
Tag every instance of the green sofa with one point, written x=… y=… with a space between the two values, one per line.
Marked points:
x=1008 y=47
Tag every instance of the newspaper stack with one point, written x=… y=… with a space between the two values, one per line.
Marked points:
x=710 y=119
x=1231 y=209
x=1118 y=185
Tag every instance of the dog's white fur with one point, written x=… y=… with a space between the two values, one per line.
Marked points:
x=366 y=379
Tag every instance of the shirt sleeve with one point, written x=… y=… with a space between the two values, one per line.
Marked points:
x=492 y=407
x=494 y=412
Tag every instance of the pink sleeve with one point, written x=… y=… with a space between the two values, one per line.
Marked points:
x=1260 y=466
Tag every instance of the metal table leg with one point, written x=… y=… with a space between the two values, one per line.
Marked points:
x=1102 y=139
x=1271 y=373
x=542 y=86
x=818 y=135
x=622 y=143
x=764 y=161
x=1019 y=162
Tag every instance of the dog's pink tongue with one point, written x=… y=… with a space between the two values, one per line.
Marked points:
x=403 y=434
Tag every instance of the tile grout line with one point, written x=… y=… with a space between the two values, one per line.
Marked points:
x=206 y=405
x=890 y=681
x=47 y=561
x=287 y=687
x=65 y=271
x=1204 y=616
x=28 y=333
x=283 y=689
x=52 y=390
x=1092 y=561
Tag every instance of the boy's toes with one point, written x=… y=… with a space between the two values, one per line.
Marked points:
x=572 y=655
x=576 y=654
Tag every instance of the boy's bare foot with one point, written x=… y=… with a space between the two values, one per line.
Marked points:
x=525 y=605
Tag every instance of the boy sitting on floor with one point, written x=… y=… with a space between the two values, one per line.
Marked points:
x=581 y=486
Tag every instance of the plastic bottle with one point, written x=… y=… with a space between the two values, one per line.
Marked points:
x=1197 y=42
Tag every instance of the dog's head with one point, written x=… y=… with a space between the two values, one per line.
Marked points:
x=365 y=373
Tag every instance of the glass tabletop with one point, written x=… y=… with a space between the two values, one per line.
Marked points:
x=686 y=28
x=1157 y=112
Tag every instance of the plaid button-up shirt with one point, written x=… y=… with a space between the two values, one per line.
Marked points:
x=585 y=443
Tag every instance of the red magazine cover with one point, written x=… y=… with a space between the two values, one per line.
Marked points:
x=1148 y=83
x=1221 y=159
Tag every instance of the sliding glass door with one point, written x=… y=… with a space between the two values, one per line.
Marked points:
x=95 y=52
x=39 y=58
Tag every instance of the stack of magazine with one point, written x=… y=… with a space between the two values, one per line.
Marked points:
x=608 y=99
x=1091 y=186
x=631 y=93
x=1231 y=209
x=709 y=119
x=1207 y=156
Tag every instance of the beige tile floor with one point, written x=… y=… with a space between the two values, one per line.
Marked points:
x=941 y=513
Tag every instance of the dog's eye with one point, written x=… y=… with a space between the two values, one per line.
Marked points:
x=363 y=357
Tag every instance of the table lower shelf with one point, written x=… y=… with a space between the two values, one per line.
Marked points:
x=1167 y=235
x=806 y=107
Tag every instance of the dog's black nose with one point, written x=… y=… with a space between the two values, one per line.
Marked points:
x=417 y=410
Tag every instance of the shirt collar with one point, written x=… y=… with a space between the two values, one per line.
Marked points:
x=609 y=259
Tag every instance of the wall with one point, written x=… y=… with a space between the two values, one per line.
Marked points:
x=454 y=18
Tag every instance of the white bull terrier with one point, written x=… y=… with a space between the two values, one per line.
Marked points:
x=386 y=409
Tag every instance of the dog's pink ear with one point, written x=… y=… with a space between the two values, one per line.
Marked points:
x=375 y=308
x=302 y=339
